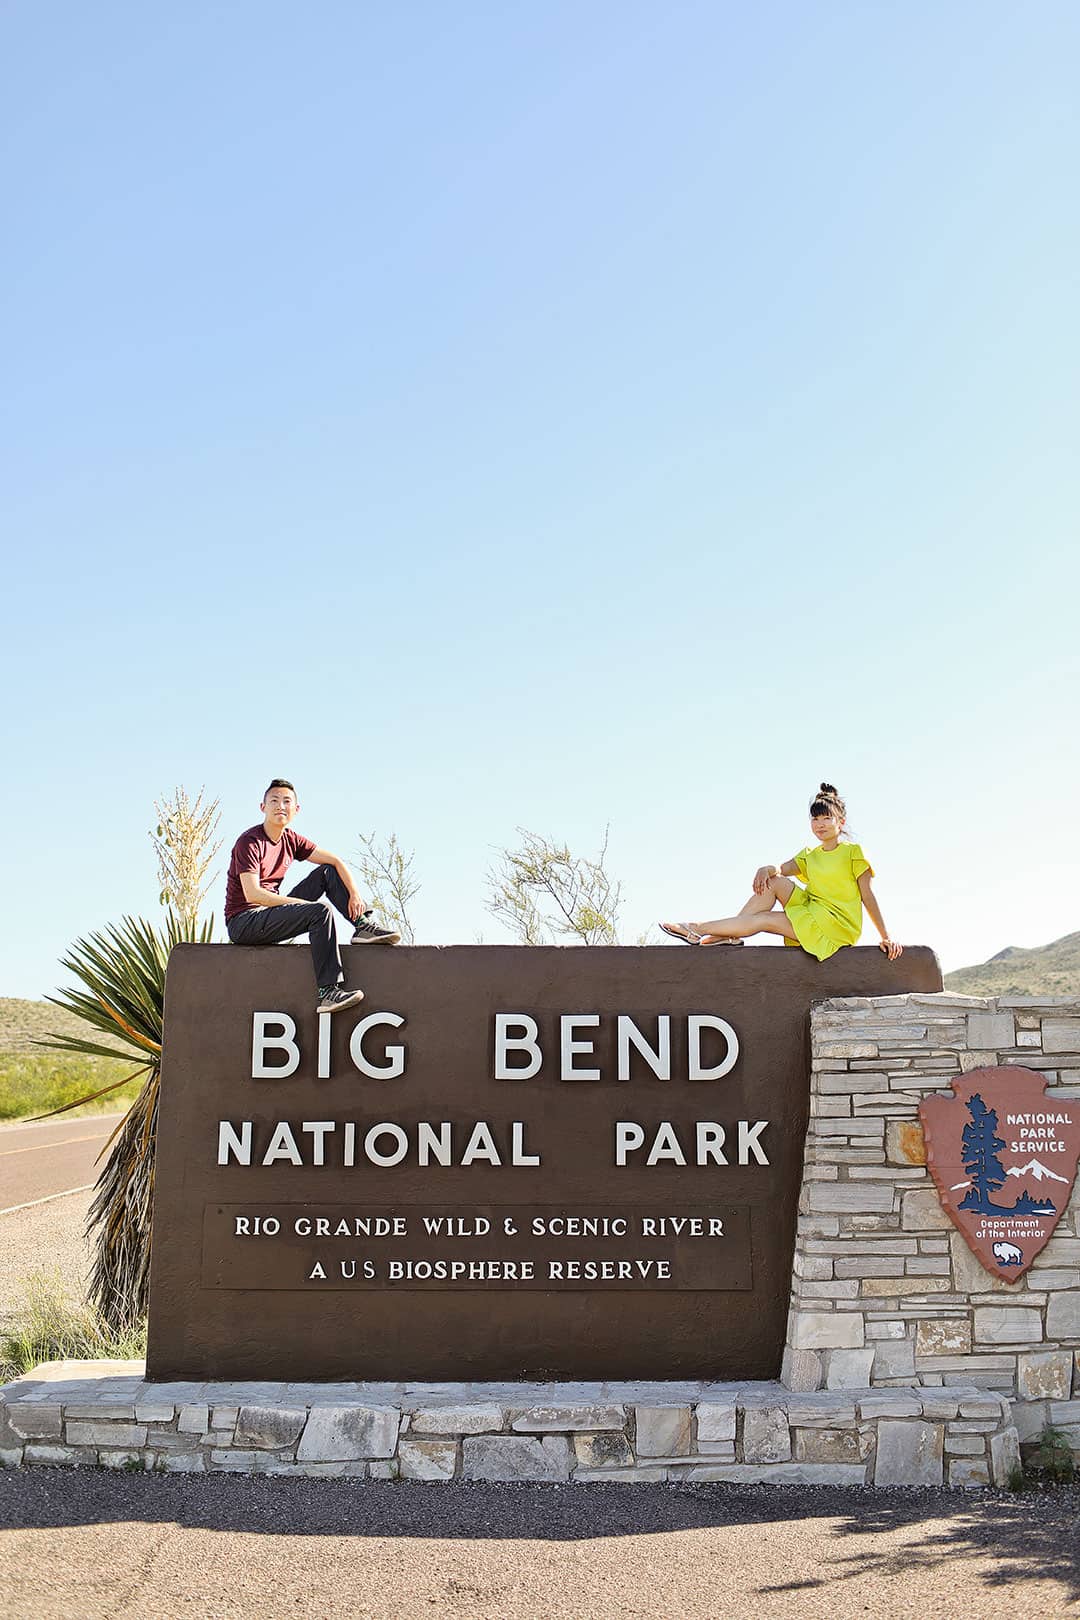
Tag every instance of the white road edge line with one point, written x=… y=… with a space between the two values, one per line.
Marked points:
x=37 y=1124
x=30 y=1204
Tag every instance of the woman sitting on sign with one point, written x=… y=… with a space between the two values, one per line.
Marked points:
x=822 y=915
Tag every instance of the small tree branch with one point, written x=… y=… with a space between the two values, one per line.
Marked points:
x=386 y=871
x=542 y=893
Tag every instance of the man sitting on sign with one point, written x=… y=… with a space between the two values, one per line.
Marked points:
x=256 y=913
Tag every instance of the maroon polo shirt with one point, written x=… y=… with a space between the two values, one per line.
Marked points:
x=256 y=853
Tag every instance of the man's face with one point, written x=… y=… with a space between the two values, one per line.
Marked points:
x=279 y=807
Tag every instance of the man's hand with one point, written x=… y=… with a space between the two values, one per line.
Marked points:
x=762 y=876
x=356 y=905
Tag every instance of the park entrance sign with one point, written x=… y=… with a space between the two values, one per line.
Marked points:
x=506 y=1163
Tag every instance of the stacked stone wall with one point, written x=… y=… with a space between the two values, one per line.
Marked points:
x=72 y=1414
x=885 y=1290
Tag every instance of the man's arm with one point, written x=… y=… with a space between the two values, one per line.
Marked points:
x=323 y=857
x=256 y=895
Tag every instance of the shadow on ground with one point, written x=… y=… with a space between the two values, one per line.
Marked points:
x=1027 y=1537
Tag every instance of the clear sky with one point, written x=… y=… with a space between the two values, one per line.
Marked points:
x=492 y=415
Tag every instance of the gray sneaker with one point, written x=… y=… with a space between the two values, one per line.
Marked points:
x=336 y=999
x=369 y=933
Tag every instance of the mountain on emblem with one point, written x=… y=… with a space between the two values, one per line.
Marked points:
x=989 y=1142
x=1041 y=1172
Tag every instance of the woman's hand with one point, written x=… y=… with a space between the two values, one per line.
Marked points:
x=892 y=949
x=762 y=876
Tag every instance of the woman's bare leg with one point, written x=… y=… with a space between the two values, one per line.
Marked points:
x=777 y=891
x=747 y=923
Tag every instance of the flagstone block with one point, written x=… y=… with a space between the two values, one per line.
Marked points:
x=30 y=1421
x=427 y=1459
x=334 y=1434
x=1063 y=1316
x=606 y=1450
x=662 y=1431
x=766 y=1437
x=1000 y=1324
x=909 y=1453
x=1004 y=1456
x=269 y=1428
x=1045 y=1376
x=481 y=1419
x=506 y=1458
x=113 y=1435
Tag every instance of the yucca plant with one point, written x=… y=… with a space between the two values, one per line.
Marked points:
x=184 y=846
x=122 y=974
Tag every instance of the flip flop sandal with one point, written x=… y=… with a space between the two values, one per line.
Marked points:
x=682 y=932
x=707 y=944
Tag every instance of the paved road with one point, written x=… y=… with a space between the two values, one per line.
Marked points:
x=92 y=1544
x=56 y=1156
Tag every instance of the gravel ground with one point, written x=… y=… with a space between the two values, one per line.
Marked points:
x=45 y=1237
x=94 y=1544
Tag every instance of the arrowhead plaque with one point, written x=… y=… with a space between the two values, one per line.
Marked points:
x=1003 y=1156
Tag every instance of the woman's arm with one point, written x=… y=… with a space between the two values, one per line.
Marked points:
x=889 y=946
x=764 y=873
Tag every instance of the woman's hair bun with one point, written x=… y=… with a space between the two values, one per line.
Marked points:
x=827 y=802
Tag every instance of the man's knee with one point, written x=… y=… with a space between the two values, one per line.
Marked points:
x=319 y=911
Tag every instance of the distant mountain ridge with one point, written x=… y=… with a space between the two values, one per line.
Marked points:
x=1047 y=970
x=24 y=1022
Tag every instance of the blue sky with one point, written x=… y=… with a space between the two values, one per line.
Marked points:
x=557 y=416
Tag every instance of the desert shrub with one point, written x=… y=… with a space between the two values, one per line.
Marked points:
x=1053 y=1459
x=47 y=1325
x=31 y=1083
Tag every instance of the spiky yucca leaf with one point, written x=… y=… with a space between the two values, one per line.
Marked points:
x=122 y=974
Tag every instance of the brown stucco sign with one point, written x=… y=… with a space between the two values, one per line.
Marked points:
x=504 y=1163
x=1003 y=1156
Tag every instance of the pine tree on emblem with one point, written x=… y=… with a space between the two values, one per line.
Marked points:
x=981 y=1147
x=1027 y=1205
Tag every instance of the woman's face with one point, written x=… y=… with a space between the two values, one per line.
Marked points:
x=826 y=829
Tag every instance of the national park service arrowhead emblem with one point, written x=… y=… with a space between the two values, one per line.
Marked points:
x=1003 y=1155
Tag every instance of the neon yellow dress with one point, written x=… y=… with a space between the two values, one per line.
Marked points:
x=827 y=913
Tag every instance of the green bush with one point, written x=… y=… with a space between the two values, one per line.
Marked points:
x=49 y=1326
x=37 y=1082
x=1054 y=1459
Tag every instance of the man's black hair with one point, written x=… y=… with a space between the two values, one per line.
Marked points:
x=279 y=781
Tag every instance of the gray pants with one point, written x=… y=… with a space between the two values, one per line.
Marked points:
x=271 y=925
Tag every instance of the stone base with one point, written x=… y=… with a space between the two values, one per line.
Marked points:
x=105 y=1414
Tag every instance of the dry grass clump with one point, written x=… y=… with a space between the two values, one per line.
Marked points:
x=49 y=1326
